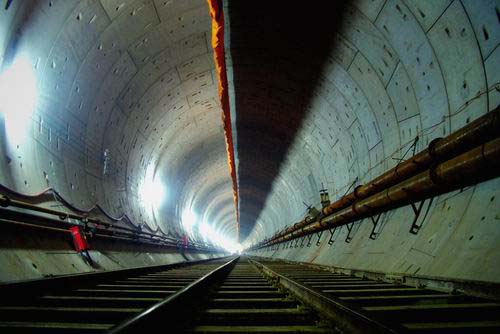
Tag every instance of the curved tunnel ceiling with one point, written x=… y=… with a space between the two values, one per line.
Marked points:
x=320 y=97
x=332 y=96
x=134 y=79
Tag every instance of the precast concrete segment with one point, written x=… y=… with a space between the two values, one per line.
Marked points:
x=474 y=166
x=122 y=92
x=402 y=69
x=401 y=308
x=440 y=149
x=128 y=87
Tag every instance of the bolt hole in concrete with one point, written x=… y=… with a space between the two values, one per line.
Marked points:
x=485 y=33
x=34 y=265
x=471 y=237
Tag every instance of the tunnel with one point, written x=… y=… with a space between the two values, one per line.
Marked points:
x=359 y=137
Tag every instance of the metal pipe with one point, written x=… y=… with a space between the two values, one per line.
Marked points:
x=477 y=165
x=102 y=230
x=6 y=201
x=473 y=134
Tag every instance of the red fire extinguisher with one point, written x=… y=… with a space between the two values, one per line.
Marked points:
x=81 y=244
x=79 y=240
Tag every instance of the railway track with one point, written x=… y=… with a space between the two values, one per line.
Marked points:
x=247 y=302
x=237 y=295
x=395 y=307
x=218 y=296
x=91 y=303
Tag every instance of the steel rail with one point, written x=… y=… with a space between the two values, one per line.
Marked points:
x=346 y=317
x=395 y=304
x=481 y=289
x=174 y=307
x=39 y=286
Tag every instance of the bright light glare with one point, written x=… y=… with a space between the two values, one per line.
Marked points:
x=209 y=233
x=18 y=96
x=189 y=219
x=152 y=193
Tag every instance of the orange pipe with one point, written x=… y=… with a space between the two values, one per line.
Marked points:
x=477 y=165
x=217 y=14
x=477 y=132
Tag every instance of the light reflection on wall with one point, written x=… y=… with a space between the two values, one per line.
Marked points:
x=188 y=220
x=152 y=191
x=18 y=96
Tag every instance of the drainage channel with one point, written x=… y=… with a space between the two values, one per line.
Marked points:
x=93 y=303
x=364 y=305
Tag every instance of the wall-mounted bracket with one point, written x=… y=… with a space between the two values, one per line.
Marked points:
x=417 y=210
x=7 y=4
x=303 y=239
x=348 y=238
x=309 y=238
x=375 y=220
x=332 y=232
x=319 y=239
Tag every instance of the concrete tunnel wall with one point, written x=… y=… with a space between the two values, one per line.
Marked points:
x=136 y=79
x=400 y=69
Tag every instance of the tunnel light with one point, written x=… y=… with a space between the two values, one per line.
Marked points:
x=189 y=220
x=18 y=98
x=152 y=193
x=209 y=233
